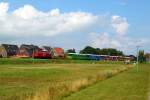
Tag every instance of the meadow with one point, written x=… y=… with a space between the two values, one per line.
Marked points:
x=39 y=80
x=129 y=85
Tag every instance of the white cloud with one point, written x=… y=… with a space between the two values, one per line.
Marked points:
x=55 y=12
x=120 y=24
x=104 y=40
x=27 y=20
x=115 y=44
x=118 y=40
x=26 y=12
x=126 y=43
x=3 y=9
x=100 y=40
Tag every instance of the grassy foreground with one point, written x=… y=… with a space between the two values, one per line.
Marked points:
x=50 y=81
x=130 y=85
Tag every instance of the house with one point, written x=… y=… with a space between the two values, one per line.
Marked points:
x=27 y=50
x=147 y=57
x=58 y=52
x=8 y=50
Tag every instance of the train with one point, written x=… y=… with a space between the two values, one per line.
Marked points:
x=76 y=56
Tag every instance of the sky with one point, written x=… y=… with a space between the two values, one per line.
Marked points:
x=120 y=24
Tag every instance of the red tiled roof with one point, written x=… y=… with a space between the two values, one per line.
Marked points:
x=59 y=51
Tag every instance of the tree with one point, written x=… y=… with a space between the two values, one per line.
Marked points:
x=71 y=51
x=111 y=52
x=98 y=51
x=90 y=50
x=141 y=56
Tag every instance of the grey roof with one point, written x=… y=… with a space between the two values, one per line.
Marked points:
x=29 y=48
x=11 y=49
x=10 y=46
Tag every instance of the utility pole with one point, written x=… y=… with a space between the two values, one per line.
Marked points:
x=137 y=58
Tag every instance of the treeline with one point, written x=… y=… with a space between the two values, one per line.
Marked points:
x=98 y=51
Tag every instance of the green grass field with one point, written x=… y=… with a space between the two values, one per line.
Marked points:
x=71 y=80
x=130 y=85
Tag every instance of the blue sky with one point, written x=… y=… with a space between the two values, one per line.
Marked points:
x=121 y=24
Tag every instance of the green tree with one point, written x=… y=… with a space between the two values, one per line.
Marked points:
x=104 y=51
x=142 y=57
x=71 y=51
x=90 y=50
x=111 y=52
